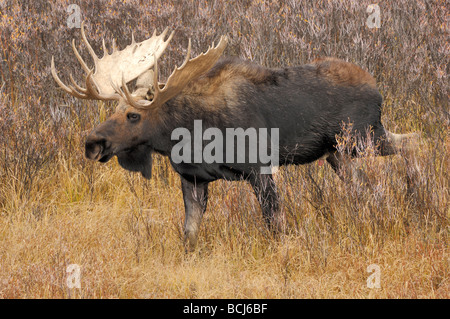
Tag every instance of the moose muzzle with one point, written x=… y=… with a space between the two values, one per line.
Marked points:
x=98 y=148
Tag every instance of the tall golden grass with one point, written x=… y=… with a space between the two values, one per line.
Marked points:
x=125 y=233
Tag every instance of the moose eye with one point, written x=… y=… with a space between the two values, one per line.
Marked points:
x=133 y=117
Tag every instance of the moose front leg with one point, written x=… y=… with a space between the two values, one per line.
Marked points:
x=266 y=192
x=195 y=198
x=346 y=170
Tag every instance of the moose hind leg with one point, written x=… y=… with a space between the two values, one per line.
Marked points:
x=195 y=198
x=265 y=190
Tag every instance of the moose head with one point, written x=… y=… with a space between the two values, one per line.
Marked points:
x=127 y=133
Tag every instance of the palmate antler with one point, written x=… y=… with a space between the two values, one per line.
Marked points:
x=111 y=69
x=180 y=77
x=115 y=70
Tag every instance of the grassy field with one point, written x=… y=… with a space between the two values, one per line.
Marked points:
x=125 y=233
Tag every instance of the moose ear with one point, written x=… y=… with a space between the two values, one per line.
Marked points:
x=138 y=159
x=150 y=94
x=144 y=86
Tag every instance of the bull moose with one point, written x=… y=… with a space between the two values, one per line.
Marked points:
x=306 y=104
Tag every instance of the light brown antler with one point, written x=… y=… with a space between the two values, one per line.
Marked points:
x=180 y=77
x=112 y=70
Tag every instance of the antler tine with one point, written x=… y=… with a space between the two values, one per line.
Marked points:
x=57 y=79
x=188 y=55
x=163 y=34
x=78 y=95
x=105 y=50
x=79 y=58
x=69 y=89
x=156 y=75
x=90 y=49
x=114 y=45
x=77 y=87
x=92 y=88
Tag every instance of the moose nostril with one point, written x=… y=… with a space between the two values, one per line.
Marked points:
x=94 y=148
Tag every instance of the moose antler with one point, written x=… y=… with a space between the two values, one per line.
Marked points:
x=180 y=77
x=112 y=70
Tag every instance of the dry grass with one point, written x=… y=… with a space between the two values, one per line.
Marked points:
x=56 y=208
